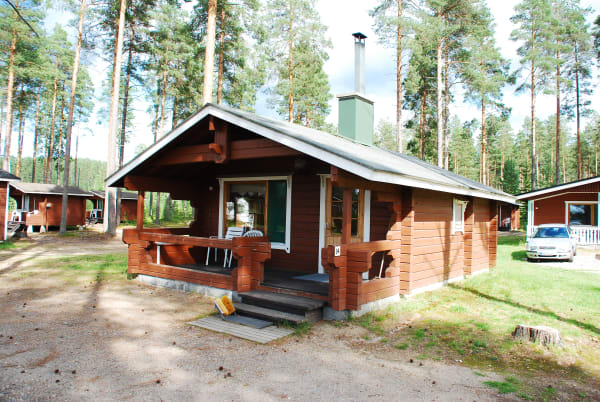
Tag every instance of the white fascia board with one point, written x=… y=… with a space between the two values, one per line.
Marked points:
x=557 y=188
x=305 y=148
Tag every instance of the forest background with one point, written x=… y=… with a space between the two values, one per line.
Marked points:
x=503 y=95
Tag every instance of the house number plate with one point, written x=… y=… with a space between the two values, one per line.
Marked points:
x=337 y=251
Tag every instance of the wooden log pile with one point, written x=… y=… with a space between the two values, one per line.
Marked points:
x=542 y=334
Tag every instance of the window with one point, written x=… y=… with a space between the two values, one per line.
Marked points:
x=582 y=214
x=258 y=204
x=458 y=215
x=337 y=210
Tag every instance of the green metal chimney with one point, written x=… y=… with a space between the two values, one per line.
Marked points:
x=355 y=113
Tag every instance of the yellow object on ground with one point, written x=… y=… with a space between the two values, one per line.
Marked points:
x=225 y=306
x=228 y=304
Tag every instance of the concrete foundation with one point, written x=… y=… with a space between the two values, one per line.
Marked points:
x=188 y=287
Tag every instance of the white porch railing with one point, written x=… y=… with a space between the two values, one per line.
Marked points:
x=584 y=235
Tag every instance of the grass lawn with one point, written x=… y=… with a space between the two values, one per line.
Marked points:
x=86 y=268
x=471 y=322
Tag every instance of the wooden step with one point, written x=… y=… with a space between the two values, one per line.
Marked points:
x=282 y=302
x=268 y=314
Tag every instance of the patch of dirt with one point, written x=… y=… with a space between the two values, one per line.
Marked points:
x=120 y=340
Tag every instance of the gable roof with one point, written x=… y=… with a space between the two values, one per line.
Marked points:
x=7 y=176
x=125 y=195
x=366 y=161
x=558 y=187
x=41 y=188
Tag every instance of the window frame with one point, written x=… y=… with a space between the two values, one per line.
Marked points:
x=462 y=204
x=595 y=212
x=288 y=206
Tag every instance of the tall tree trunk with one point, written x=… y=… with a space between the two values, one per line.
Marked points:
x=577 y=112
x=399 y=80
x=110 y=200
x=20 y=139
x=157 y=214
x=76 y=177
x=557 y=171
x=440 y=106
x=9 y=99
x=163 y=101
x=35 y=134
x=221 y=57
x=209 y=56
x=50 y=136
x=290 y=69
x=126 y=98
x=484 y=161
x=61 y=123
x=422 y=127
x=533 y=134
x=65 y=194
x=446 y=105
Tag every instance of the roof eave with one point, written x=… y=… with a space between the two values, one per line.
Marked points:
x=305 y=148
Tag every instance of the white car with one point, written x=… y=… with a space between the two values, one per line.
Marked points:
x=553 y=242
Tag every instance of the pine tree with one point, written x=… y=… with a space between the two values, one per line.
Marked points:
x=294 y=26
x=391 y=26
x=484 y=77
x=533 y=18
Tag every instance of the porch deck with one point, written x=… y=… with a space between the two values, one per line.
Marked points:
x=273 y=278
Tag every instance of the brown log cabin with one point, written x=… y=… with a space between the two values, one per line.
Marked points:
x=128 y=205
x=5 y=179
x=367 y=224
x=38 y=205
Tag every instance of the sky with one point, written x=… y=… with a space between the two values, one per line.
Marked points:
x=342 y=17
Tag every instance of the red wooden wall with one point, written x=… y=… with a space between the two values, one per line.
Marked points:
x=128 y=210
x=3 y=202
x=438 y=255
x=552 y=210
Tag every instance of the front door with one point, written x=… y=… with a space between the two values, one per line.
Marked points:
x=334 y=206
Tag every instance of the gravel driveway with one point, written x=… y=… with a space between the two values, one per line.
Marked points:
x=586 y=260
x=115 y=340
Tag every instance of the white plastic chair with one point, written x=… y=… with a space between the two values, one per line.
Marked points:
x=253 y=233
x=250 y=233
x=232 y=232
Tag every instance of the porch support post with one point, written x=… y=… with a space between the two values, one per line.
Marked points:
x=347 y=216
x=140 y=211
x=530 y=211
x=597 y=211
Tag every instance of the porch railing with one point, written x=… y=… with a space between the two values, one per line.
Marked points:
x=347 y=289
x=585 y=235
x=164 y=252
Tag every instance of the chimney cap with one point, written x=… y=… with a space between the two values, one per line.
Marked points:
x=359 y=36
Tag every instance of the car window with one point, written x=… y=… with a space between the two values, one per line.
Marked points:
x=552 y=233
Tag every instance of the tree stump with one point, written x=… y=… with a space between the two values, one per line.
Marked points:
x=542 y=334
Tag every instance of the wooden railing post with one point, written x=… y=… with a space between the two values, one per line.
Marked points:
x=251 y=254
x=337 y=268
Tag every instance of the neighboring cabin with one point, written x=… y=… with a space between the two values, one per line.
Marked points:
x=128 y=205
x=5 y=179
x=39 y=205
x=574 y=204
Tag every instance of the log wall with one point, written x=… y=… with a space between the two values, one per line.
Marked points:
x=3 y=207
x=437 y=254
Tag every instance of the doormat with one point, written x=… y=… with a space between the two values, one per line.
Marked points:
x=264 y=335
x=323 y=278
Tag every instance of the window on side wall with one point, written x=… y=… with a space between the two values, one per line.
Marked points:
x=458 y=215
